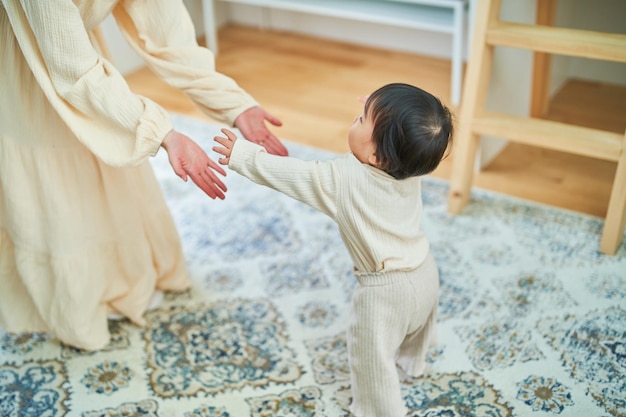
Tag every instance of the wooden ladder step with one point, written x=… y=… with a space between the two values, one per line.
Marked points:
x=560 y=41
x=558 y=136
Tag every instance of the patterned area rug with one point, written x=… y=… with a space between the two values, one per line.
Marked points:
x=532 y=318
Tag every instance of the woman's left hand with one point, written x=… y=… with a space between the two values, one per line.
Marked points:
x=187 y=158
x=251 y=123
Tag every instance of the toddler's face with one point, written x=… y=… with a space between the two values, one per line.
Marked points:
x=360 y=140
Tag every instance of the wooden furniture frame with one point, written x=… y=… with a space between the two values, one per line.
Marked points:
x=475 y=120
x=444 y=16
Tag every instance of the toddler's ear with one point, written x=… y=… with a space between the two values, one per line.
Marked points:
x=373 y=161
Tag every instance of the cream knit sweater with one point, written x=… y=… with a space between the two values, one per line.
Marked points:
x=378 y=216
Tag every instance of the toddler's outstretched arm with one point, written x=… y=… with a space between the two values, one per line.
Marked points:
x=311 y=182
x=227 y=145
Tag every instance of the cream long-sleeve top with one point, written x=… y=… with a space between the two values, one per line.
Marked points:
x=378 y=216
x=90 y=94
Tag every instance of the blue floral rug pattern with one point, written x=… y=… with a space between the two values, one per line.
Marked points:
x=218 y=347
x=532 y=318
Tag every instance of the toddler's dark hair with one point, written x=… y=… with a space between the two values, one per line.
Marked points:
x=412 y=129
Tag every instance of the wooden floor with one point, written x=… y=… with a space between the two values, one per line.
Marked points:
x=313 y=86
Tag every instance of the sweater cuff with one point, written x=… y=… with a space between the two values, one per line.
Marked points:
x=154 y=125
x=243 y=151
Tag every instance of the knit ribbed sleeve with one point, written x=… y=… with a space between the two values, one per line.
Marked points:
x=378 y=216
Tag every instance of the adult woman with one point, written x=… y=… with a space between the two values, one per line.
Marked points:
x=84 y=229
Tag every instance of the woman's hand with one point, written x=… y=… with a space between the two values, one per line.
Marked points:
x=189 y=159
x=251 y=123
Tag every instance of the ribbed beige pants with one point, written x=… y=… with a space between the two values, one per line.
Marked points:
x=394 y=318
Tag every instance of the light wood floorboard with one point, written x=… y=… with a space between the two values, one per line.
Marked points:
x=313 y=86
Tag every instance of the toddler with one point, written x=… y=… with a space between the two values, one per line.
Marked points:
x=373 y=194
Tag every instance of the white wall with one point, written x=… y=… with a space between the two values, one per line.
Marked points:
x=123 y=57
x=598 y=15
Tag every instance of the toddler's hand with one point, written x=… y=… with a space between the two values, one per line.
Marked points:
x=227 y=145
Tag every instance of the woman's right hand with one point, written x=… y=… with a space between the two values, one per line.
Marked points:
x=187 y=158
x=251 y=123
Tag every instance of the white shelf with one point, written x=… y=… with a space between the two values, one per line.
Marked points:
x=442 y=16
x=436 y=16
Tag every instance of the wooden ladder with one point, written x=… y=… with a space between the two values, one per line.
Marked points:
x=475 y=120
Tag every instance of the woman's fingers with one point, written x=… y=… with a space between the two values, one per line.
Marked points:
x=215 y=180
x=273 y=146
x=214 y=166
x=214 y=189
x=207 y=180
